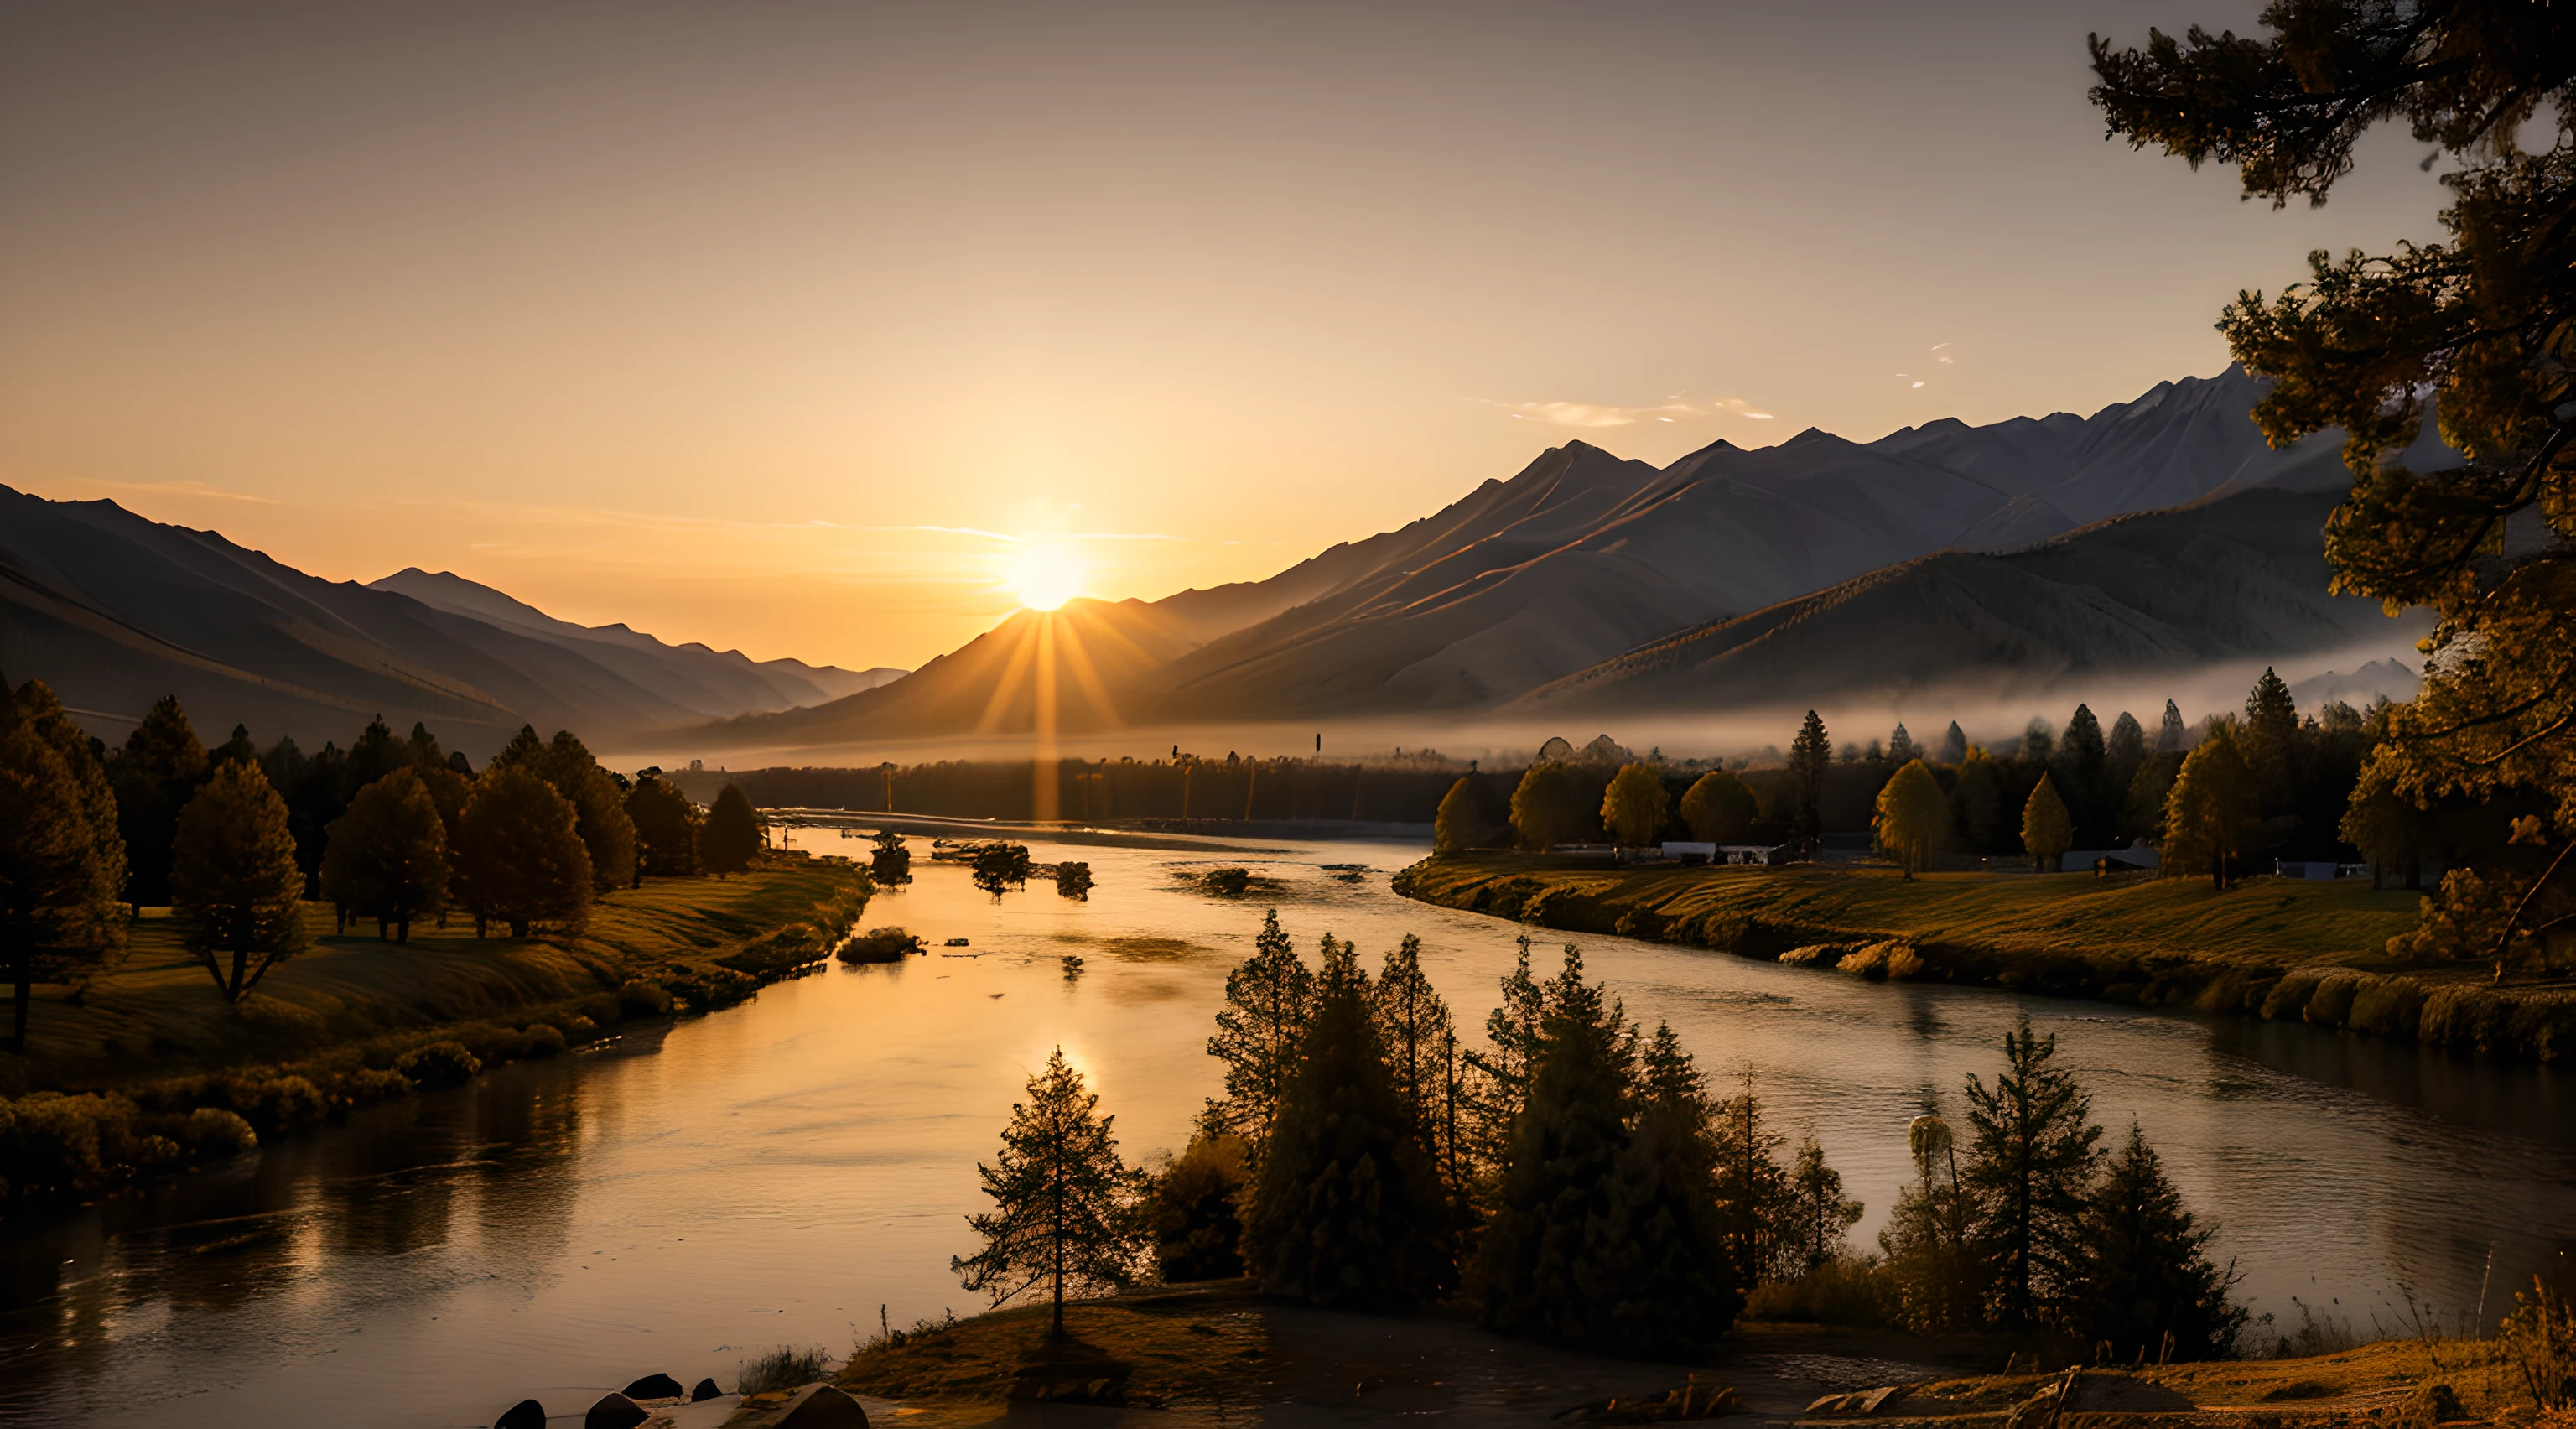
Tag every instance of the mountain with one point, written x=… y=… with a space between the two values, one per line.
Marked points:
x=2239 y=577
x=114 y=611
x=1584 y=556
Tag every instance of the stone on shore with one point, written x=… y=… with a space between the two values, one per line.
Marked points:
x=705 y=1391
x=614 y=1411
x=526 y=1414
x=654 y=1386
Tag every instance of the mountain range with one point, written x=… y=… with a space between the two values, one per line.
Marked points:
x=114 y=611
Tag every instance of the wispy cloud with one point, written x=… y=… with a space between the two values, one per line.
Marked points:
x=1596 y=414
x=183 y=488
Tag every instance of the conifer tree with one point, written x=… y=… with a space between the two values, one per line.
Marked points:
x=1347 y=1209
x=666 y=830
x=1822 y=1212
x=386 y=858
x=1459 y=822
x=1913 y=817
x=1548 y=808
x=1662 y=1260
x=520 y=860
x=1753 y=1187
x=1197 y=1209
x=235 y=889
x=2038 y=745
x=2171 y=736
x=2122 y=753
x=731 y=838
x=1414 y=1028
x=1900 y=747
x=1720 y=809
x=1811 y=752
x=425 y=753
x=373 y=755
x=2082 y=757
x=889 y=862
x=2144 y=1273
x=1269 y=998
x=2027 y=1178
x=1498 y=1075
x=2142 y=814
x=599 y=805
x=1954 y=745
x=83 y=759
x=2212 y=811
x=1979 y=796
x=155 y=775
x=2046 y=830
x=1061 y=1214
x=58 y=880
x=1634 y=806
x=237 y=750
x=2269 y=740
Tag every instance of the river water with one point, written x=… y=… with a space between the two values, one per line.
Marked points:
x=785 y=1172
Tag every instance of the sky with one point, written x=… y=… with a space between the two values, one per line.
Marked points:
x=837 y=331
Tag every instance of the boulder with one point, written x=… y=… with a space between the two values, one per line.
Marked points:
x=614 y=1411
x=654 y=1386
x=822 y=1407
x=705 y=1391
x=526 y=1414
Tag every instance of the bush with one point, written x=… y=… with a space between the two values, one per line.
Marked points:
x=1073 y=880
x=54 y=1146
x=639 y=998
x=786 y=1367
x=281 y=1028
x=601 y=1008
x=575 y=1028
x=1838 y=1292
x=543 y=1040
x=1196 y=1207
x=879 y=945
x=1228 y=882
x=272 y=1105
x=439 y=1064
x=369 y=1085
x=214 y=1134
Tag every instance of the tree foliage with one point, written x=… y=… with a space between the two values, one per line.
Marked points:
x=155 y=775
x=1459 y=822
x=1549 y=807
x=1811 y=752
x=666 y=829
x=2144 y=1272
x=1913 y=817
x=2212 y=813
x=521 y=860
x=1720 y=809
x=2027 y=1177
x=731 y=838
x=1269 y=998
x=1820 y=1211
x=889 y=862
x=386 y=858
x=235 y=889
x=1421 y=1044
x=1633 y=808
x=1061 y=1195
x=2047 y=830
x=61 y=858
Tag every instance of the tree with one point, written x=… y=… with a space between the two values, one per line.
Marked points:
x=1634 y=806
x=1459 y=823
x=1954 y=744
x=387 y=857
x=1913 y=817
x=1548 y=807
x=2171 y=736
x=666 y=830
x=1900 y=747
x=889 y=862
x=2142 y=814
x=1663 y=1261
x=1925 y=1241
x=235 y=890
x=599 y=805
x=1811 y=751
x=1073 y=880
x=2038 y=746
x=1752 y=1186
x=999 y=865
x=731 y=838
x=2046 y=831
x=1347 y=1209
x=2269 y=740
x=2388 y=829
x=2477 y=330
x=155 y=775
x=1197 y=1210
x=520 y=859
x=2082 y=757
x=2144 y=1283
x=1421 y=1044
x=83 y=759
x=1979 y=794
x=2027 y=1178
x=2211 y=814
x=1719 y=809
x=1498 y=1075
x=1823 y=1212
x=1269 y=997
x=58 y=880
x=237 y=750
x=1061 y=1199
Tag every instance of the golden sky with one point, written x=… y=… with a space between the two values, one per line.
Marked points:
x=812 y=329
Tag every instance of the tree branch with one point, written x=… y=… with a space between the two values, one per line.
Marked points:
x=2530 y=894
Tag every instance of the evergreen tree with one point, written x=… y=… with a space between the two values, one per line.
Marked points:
x=2144 y=1273
x=425 y=753
x=1061 y=1195
x=2027 y=1178
x=1197 y=1210
x=1719 y=809
x=1926 y=1239
x=1913 y=817
x=2211 y=814
x=1753 y=1188
x=1459 y=823
x=1421 y=1044
x=58 y=879
x=1498 y=1076
x=599 y=805
x=666 y=830
x=235 y=889
x=2038 y=746
x=84 y=759
x=236 y=750
x=1810 y=752
x=1347 y=1209
x=155 y=776
x=1954 y=745
x=2171 y=736
x=1269 y=998
x=386 y=858
x=1823 y=1212
x=2142 y=815
x=1900 y=747
x=889 y=862
x=1634 y=806
x=2078 y=770
x=732 y=837
x=2269 y=740
x=520 y=860
x=373 y=755
x=2046 y=831
x=2122 y=753
x=1979 y=795
x=1549 y=808
x=1661 y=1263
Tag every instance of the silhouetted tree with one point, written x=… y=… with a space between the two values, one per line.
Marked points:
x=520 y=860
x=999 y=865
x=1073 y=880
x=2143 y=1271
x=1926 y=1239
x=1752 y=1187
x=1809 y=753
x=1269 y=998
x=1421 y=1043
x=387 y=857
x=2122 y=753
x=1662 y=1262
x=731 y=837
x=85 y=760
x=236 y=750
x=2171 y=736
x=2046 y=831
x=1497 y=1083
x=2077 y=772
x=1197 y=1210
x=2027 y=1178
x=155 y=776
x=1061 y=1199
x=1634 y=806
x=235 y=890
x=1459 y=822
x=1719 y=809
x=59 y=880
x=666 y=830
x=1823 y=1213
x=1979 y=796
x=890 y=863
x=1954 y=745
x=2269 y=741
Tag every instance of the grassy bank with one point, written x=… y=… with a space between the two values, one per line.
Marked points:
x=2273 y=948
x=147 y=1070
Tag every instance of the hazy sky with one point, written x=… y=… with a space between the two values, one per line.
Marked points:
x=763 y=324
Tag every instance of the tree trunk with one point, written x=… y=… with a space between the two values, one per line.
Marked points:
x=23 y=967
x=241 y=970
x=402 y=929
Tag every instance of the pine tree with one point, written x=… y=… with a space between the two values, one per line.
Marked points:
x=520 y=860
x=1913 y=817
x=599 y=805
x=1459 y=823
x=1954 y=745
x=1197 y=1210
x=58 y=881
x=1421 y=1043
x=1753 y=1187
x=155 y=775
x=1900 y=747
x=2027 y=1178
x=373 y=755
x=2269 y=740
x=1810 y=754
x=84 y=759
x=235 y=889
x=889 y=862
x=731 y=838
x=1823 y=1212
x=1061 y=1213
x=386 y=858
x=666 y=830
x=1661 y=1263
x=2171 y=736
x=1719 y=809
x=1269 y=998
x=1634 y=806
x=2212 y=811
x=2144 y=1282
x=2078 y=771
x=1347 y=1209
x=1979 y=796
x=2046 y=831
x=2038 y=746
x=1498 y=1076
x=237 y=750
x=2122 y=754
x=2142 y=814
x=1548 y=808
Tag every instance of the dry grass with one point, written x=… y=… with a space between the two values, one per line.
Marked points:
x=1189 y=1347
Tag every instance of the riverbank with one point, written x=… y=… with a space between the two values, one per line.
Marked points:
x=2282 y=949
x=147 y=1070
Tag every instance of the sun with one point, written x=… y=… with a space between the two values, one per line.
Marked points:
x=1041 y=577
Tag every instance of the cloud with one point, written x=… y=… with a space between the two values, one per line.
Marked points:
x=183 y=488
x=1596 y=414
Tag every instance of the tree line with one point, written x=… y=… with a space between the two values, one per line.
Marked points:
x=1576 y=1178
x=236 y=839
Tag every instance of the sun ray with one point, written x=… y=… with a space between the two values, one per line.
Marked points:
x=1078 y=660
x=1009 y=685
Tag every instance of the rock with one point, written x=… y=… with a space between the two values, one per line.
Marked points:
x=526 y=1414
x=822 y=1407
x=705 y=1391
x=614 y=1411
x=654 y=1386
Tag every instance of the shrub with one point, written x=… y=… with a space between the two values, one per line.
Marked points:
x=369 y=1085
x=575 y=1027
x=1073 y=880
x=1196 y=1206
x=601 y=1008
x=786 y=1367
x=1228 y=882
x=272 y=1105
x=439 y=1064
x=543 y=1040
x=638 y=998
x=1838 y=1292
x=879 y=945
x=281 y=1028
x=214 y=1134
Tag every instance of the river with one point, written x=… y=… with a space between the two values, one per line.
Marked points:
x=777 y=1173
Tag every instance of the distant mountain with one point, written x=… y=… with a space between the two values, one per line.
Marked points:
x=1585 y=556
x=2377 y=680
x=115 y=611
x=2239 y=577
